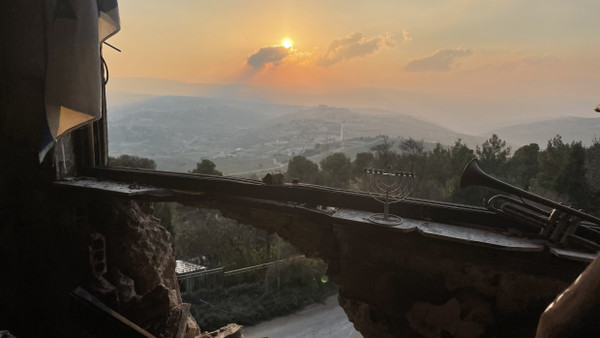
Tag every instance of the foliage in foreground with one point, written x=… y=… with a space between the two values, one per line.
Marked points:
x=301 y=283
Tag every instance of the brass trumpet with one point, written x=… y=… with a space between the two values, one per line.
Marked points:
x=556 y=222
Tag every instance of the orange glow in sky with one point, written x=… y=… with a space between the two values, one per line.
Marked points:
x=493 y=48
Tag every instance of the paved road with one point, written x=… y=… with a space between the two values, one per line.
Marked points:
x=318 y=320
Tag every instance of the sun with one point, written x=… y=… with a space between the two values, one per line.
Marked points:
x=287 y=43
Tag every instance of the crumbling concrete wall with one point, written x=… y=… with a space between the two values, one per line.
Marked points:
x=396 y=284
x=393 y=282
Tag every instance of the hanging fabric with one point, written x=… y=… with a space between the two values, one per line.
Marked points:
x=73 y=73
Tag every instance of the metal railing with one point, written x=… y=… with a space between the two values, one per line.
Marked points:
x=217 y=275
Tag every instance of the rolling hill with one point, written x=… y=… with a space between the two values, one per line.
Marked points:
x=245 y=136
x=570 y=129
x=464 y=112
x=178 y=131
x=323 y=123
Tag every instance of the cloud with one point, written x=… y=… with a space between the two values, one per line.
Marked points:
x=525 y=61
x=273 y=54
x=354 y=45
x=510 y=63
x=536 y=59
x=441 y=60
x=406 y=36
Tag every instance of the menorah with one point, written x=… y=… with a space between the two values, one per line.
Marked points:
x=388 y=187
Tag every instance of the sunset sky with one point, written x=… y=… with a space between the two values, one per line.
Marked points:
x=492 y=48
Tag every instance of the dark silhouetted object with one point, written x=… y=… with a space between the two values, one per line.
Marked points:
x=275 y=178
x=207 y=167
x=129 y=161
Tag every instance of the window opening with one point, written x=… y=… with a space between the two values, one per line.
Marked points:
x=251 y=100
x=319 y=103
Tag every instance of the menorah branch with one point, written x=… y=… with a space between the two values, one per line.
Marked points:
x=387 y=187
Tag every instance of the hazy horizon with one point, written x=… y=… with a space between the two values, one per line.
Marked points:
x=464 y=62
x=461 y=113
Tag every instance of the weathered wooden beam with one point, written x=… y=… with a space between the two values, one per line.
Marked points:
x=101 y=320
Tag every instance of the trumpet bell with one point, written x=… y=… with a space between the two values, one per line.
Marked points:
x=562 y=225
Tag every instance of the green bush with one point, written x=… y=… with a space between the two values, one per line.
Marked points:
x=300 y=284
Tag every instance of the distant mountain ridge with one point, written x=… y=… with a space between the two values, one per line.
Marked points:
x=570 y=129
x=134 y=103
x=178 y=131
x=465 y=112
x=201 y=116
x=242 y=136
x=164 y=125
x=363 y=124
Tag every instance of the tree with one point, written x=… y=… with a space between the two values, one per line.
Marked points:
x=411 y=147
x=385 y=156
x=130 y=161
x=523 y=165
x=433 y=181
x=207 y=167
x=551 y=162
x=303 y=169
x=571 y=179
x=493 y=155
x=361 y=162
x=337 y=170
x=413 y=156
x=592 y=164
x=163 y=211
x=458 y=156
x=205 y=233
x=438 y=164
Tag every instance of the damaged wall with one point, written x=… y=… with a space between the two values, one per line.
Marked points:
x=140 y=277
x=50 y=257
x=45 y=232
x=396 y=284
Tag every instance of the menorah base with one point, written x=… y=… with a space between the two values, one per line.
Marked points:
x=380 y=219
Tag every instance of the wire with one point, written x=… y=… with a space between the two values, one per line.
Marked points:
x=105 y=68
x=111 y=46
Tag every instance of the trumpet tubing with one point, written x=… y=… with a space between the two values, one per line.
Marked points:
x=474 y=175
x=557 y=225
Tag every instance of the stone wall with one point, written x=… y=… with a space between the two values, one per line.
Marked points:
x=397 y=284
x=141 y=268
